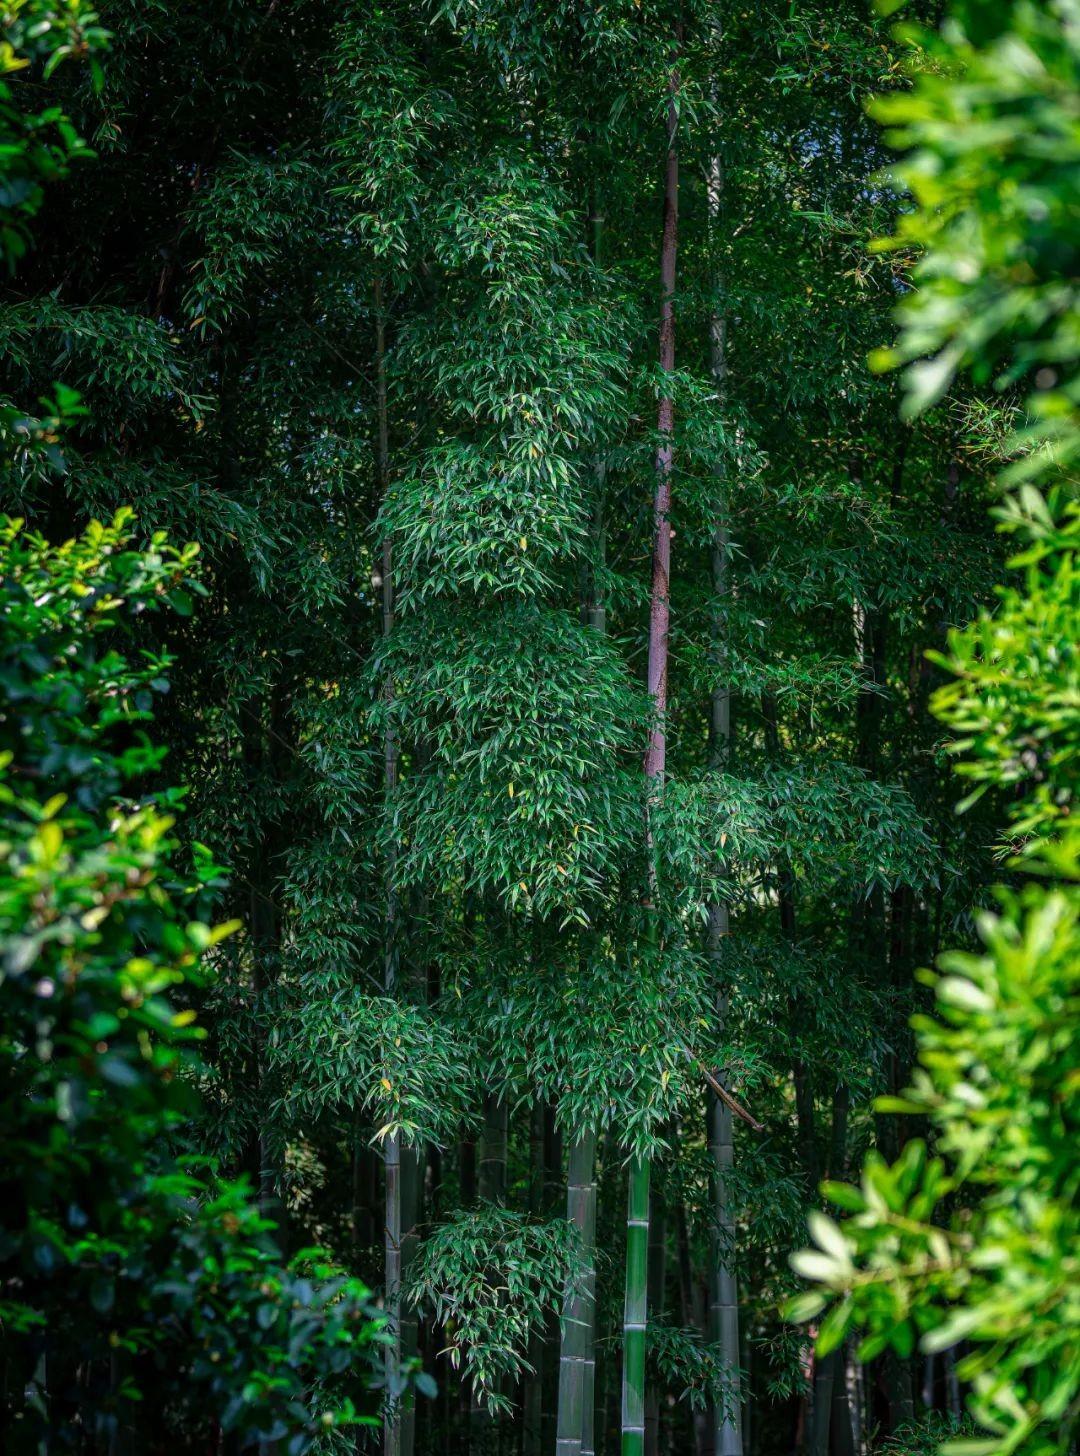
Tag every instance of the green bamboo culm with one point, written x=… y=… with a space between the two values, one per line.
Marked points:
x=635 y=1308
x=588 y=1363
x=575 y=1352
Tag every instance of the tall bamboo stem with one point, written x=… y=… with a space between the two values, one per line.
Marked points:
x=400 y=1180
x=723 y=1287
x=532 y=1400
x=554 y=1193
x=594 y=615
x=493 y=1149
x=657 y=1279
x=635 y=1311
x=588 y=1364
x=580 y=1190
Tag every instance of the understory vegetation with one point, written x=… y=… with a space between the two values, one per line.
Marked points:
x=539 y=725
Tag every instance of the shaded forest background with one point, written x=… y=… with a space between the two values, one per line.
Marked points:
x=469 y=340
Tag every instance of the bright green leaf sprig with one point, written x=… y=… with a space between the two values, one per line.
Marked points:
x=980 y=1243
x=990 y=131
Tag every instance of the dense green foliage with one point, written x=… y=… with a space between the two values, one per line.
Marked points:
x=364 y=299
x=975 y=1240
x=991 y=125
x=136 y=1266
x=978 y=1241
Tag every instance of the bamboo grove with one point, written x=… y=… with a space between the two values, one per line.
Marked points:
x=544 y=719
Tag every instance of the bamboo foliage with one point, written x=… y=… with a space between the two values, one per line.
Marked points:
x=376 y=324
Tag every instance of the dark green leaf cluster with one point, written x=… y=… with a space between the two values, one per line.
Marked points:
x=530 y=786
x=492 y=1278
x=344 y=1049
x=110 y=1249
x=683 y=1359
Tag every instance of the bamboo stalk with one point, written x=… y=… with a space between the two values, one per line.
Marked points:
x=554 y=1191
x=531 y=1437
x=723 y=1287
x=392 y=1444
x=400 y=1179
x=575 y=1353
x=657 y=1280
x=843 y=1424
x=635 y=1313
x=493 y=1149
x=588 y=1382
x=635 y=1308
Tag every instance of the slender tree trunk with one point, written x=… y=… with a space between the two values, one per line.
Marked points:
x=952 y=1385
x=838 y=1137
x=660 y=601
x=723 y=1288
x=899 y=1390
x=365 y=1195
x=802 y=1081
x=801 y=1076
x=531 y=1436
x=467 y=1171
x=580 y=1211
x=493 y=1149
x=691 y=1316
x=855 y=1386
x=554 y=1196
x=593 y=609
x=657 y=1282
x=608 y=1401
x=830 y=1393
x=635 y=1310
x=746 y=1405
x=825 y=1376
x=266 y=954
x=581 y=1175
x=393 y=1234
x=929 y=1383
x=588 y=1363
x=401 y=1184
x=264 y=937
